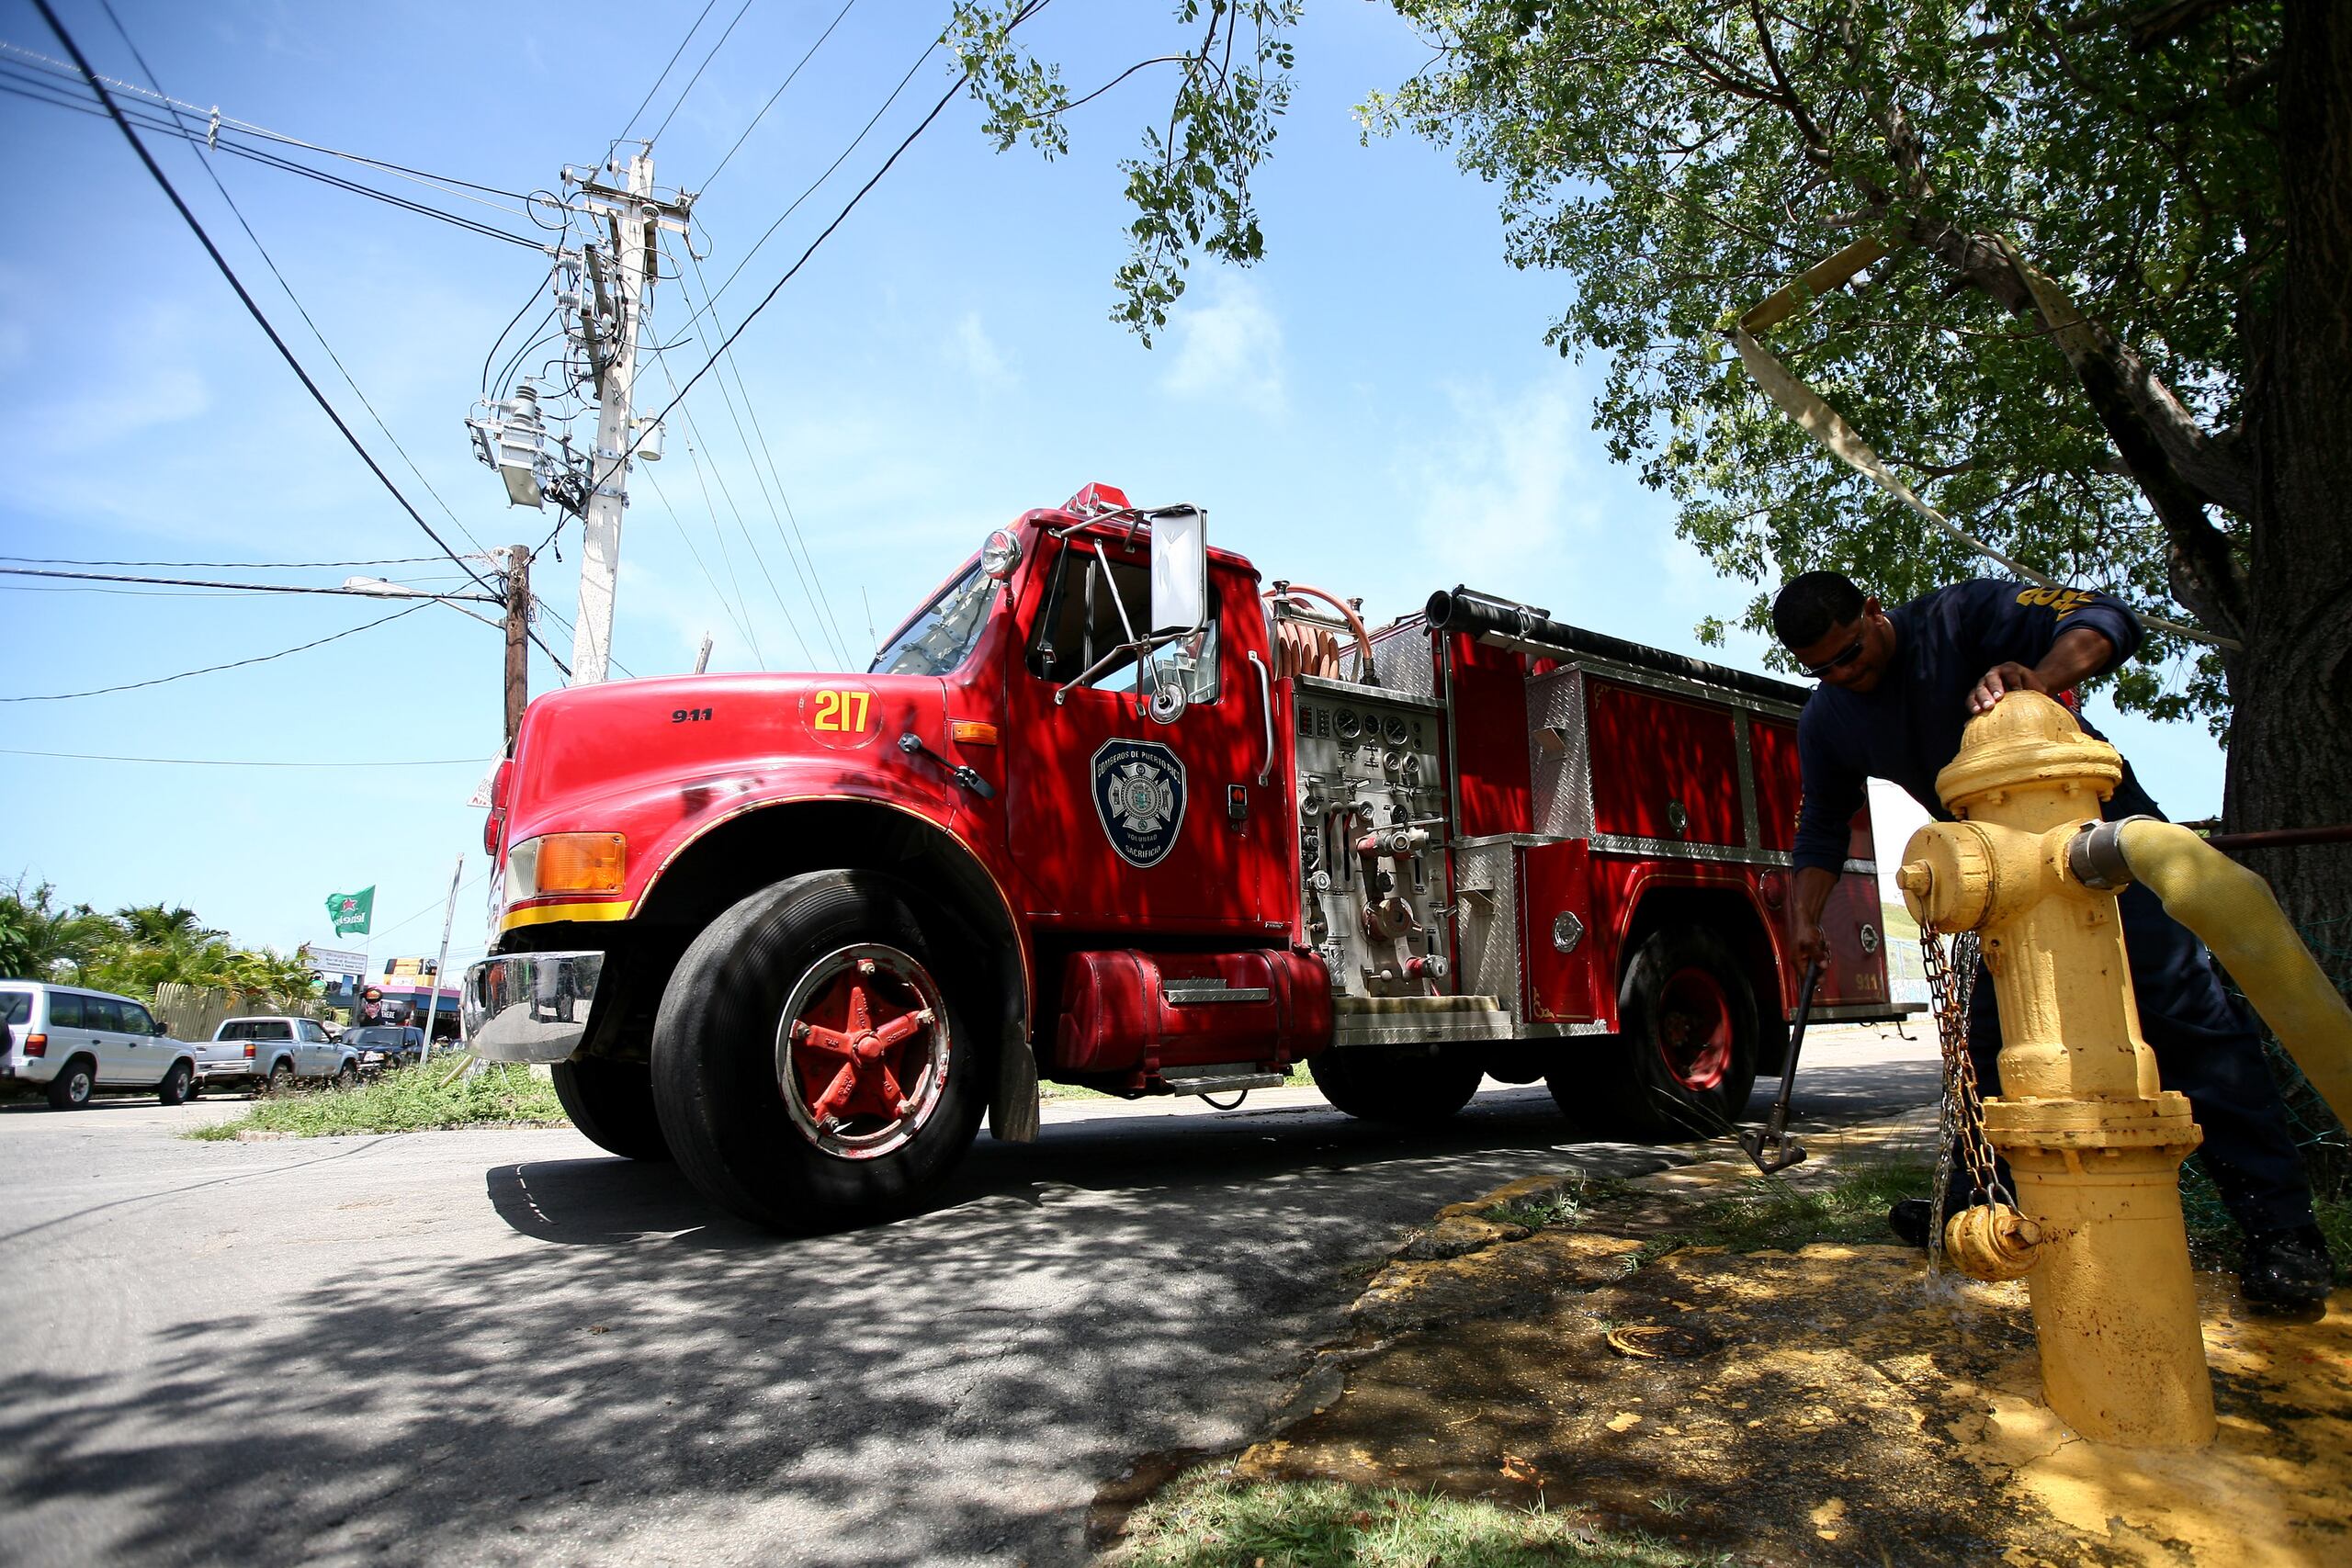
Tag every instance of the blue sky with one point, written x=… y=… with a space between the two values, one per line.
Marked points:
x=1373 y=410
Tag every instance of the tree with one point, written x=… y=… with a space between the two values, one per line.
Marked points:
x=2181 y=168
x=155 y=923
x=39 y=942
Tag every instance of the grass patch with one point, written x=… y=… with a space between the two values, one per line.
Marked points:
x=1765 y=1213
x=1209 y=1521
x=1562 y=1206
x=411 y=1100
x=1771 y=1213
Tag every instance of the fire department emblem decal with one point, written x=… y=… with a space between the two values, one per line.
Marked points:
x=1140 y=796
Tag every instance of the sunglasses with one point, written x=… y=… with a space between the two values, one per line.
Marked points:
x=1853 y=651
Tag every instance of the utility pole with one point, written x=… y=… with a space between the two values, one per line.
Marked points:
x=603 y=294
x=433 y=1001
x=518 y=636
x=622 y=299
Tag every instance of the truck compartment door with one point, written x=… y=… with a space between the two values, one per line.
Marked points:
x=1556 y=905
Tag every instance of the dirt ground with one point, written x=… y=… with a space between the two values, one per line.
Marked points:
x=1832 y=1405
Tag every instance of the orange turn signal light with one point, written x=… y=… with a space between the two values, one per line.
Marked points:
x=972 y=732
x=582 y=863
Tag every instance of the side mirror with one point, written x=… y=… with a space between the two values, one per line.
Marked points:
x=1180 y=569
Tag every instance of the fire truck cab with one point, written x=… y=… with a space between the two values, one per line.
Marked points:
x=1109 y=810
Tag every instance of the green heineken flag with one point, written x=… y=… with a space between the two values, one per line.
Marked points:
x=352 y=911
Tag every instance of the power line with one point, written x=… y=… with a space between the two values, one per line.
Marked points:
x=419 y=177
x=270 y=261
x=233 y=664
x=670 y=512
x=812 y=592
x=707 y=58
x=663 y=77
x=241 y=761
x=241 y=587
x=775 y=95
x=50 y=16
x=241 y=565
x=793 y=271
x=162 y=127
x=814 y=185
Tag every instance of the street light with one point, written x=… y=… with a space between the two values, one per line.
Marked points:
x=381 y=588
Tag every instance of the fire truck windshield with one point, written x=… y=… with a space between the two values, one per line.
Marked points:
x=939 y=640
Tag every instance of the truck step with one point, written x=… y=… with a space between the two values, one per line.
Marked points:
x=1224 y=1077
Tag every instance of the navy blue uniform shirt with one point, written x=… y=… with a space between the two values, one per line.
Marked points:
x=1907 y=727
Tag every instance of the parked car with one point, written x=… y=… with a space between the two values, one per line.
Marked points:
x=384 y=1045
x=273 y=1052
x=75 y=1042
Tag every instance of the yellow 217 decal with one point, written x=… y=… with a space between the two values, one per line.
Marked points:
x=841 y=711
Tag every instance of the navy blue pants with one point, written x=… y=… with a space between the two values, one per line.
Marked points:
x=2209 y=1047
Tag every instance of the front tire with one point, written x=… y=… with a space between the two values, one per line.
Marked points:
x=612 y=1104
x=347 y=1076
x=178 y=1086
x=814 y=1061
x=1400 y=1090
x=74 y=1083
x=1684 y=1061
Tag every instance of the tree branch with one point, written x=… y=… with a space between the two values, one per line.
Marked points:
x=2158 y=442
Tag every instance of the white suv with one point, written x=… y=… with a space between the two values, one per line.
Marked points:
x=77 y=1041
x=271 y=1053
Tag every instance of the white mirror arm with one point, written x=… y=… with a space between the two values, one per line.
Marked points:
x=1141 y=647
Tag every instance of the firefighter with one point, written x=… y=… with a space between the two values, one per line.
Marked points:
x=1898 y=687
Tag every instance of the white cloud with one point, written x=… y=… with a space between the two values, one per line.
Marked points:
x=1230 y=349
x=1500 y=487
x=973 y=350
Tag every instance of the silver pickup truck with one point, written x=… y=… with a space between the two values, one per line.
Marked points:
x=272 y=1054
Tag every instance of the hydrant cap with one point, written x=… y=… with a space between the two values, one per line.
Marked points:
x=2026 y=739
x=1947 y=877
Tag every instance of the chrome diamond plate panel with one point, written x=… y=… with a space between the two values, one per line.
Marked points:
x=1400 y=657
x=1560 y=755
x=1486 y=894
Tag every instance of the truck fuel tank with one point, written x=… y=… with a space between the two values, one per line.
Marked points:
x=1124 y=1010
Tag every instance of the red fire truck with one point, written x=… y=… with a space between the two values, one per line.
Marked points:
x=1109 y=811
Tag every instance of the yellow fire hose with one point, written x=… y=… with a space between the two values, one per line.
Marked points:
x=2235 y=914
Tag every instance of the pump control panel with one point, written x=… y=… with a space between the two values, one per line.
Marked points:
x=1372 y=834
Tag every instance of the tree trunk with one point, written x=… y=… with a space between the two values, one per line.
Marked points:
x=2291 y=742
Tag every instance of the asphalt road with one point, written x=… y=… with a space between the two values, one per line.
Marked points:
x=502 y=1346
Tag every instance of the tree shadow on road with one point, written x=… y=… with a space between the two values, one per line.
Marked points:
x=633 y=1375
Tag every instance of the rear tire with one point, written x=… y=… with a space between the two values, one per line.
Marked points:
x=815 y=1064
x=74 y=1083
x=281 y=1079
x=1400 y=1090
x=178 y=1086
x=612 y=1104
x=1685 y=1062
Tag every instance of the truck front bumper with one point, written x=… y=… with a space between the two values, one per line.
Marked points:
x=530 y=1007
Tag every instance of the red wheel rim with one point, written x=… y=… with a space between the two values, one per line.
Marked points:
x=862 y=1051
x=1694 y=1029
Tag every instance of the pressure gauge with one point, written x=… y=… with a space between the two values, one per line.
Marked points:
x=1346 y=725
x=1395 y=729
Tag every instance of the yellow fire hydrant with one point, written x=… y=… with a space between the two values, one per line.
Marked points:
x=2094 y=1144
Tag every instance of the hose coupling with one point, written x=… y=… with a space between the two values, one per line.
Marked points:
x=2095 y=855
x=1992 y=1242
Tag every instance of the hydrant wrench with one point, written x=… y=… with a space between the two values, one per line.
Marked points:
x=1773 y=1136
